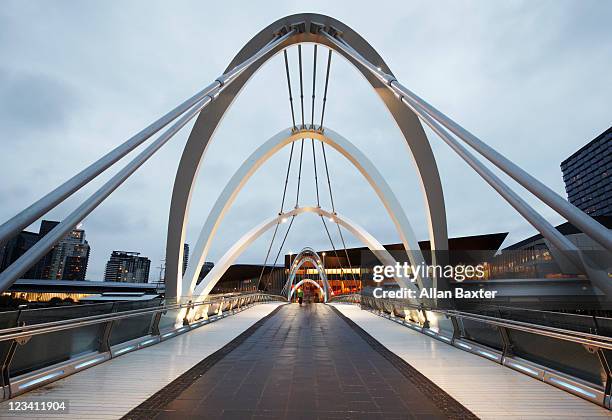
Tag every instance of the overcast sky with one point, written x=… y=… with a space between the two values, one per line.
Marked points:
x=530 y=78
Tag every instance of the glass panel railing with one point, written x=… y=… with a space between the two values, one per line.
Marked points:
x=563 y=356
x=169 y=318
x=573 y=322
x=440 y=323
x=129 y=328
x=604 y=326
x=7 y=320
x=43 y=350
x=48 y=349
x=481 y=333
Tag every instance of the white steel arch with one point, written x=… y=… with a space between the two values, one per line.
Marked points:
x=307 y=255
x=306 y=27
x=298 y=284
x=211 y=279
x=406 y=107
x=263 y=153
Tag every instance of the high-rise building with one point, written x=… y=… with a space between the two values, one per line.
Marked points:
x=204 y=270
x=587 y=176
x=185 y=257
x=67 y=260
x=42 y=269
x=15 y=248
x=70 y=257
x=127 y=267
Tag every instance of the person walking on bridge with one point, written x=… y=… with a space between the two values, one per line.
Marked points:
x=300 y=294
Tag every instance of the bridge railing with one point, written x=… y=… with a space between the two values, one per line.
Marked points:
x=38 y=346
x=571 y=352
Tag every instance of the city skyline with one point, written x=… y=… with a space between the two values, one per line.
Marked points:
x=480 y=65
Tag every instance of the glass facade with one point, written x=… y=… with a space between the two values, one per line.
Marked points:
x=67 y=260
x=587 y=176
x=127 y=267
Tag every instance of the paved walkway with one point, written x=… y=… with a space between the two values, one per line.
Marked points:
x=111 y=389
x=489 y=390
x=303 y=362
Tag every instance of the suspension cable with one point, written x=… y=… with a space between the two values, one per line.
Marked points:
x=286 y=179
x=263 y=269
x=280 y=249
x=314 y=156
x=297 y=194
x=331 y=241
x=331 y=197
x=289 y=87
x=316 y=178
x=265 y=265
x=329 y=56
x=314 y=83
x=348 y=259
x=301 y=82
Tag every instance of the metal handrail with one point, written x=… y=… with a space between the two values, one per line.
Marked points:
x=49 y=327
x=600 y=341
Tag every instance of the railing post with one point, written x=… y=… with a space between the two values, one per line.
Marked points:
x=456 y=329
x=105 y=333
x=426 y=322
x=605 y=363
x=8 y=358
x=507 y=350
x=155 y=323
x=190 y=306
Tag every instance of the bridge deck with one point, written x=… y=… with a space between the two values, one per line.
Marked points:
x=302 y=362
x=111 y=389
x=305 y=362
x=489 y=390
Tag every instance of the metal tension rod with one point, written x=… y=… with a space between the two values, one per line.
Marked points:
x=559 y=240
x=33 y=212
x=36 y=252
x=29 y=258
x=578 y=218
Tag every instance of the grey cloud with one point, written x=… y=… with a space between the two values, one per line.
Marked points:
x=32 y=102
x=529 y=77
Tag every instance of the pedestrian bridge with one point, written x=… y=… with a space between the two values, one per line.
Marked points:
x=194 y=354
x=255 y=355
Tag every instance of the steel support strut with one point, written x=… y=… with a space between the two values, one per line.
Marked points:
x=188 y=110
x=426 y=111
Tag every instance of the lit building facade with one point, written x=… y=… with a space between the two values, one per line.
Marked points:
x=185 y=257
x=67 y=260
x=70 y=257
x=127 y=267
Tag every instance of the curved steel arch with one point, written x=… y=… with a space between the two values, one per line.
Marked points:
x=209 y=119
x=264 y=152
x=306 y=252
x=211 y=279
x=307 y=255
x=307 y=281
